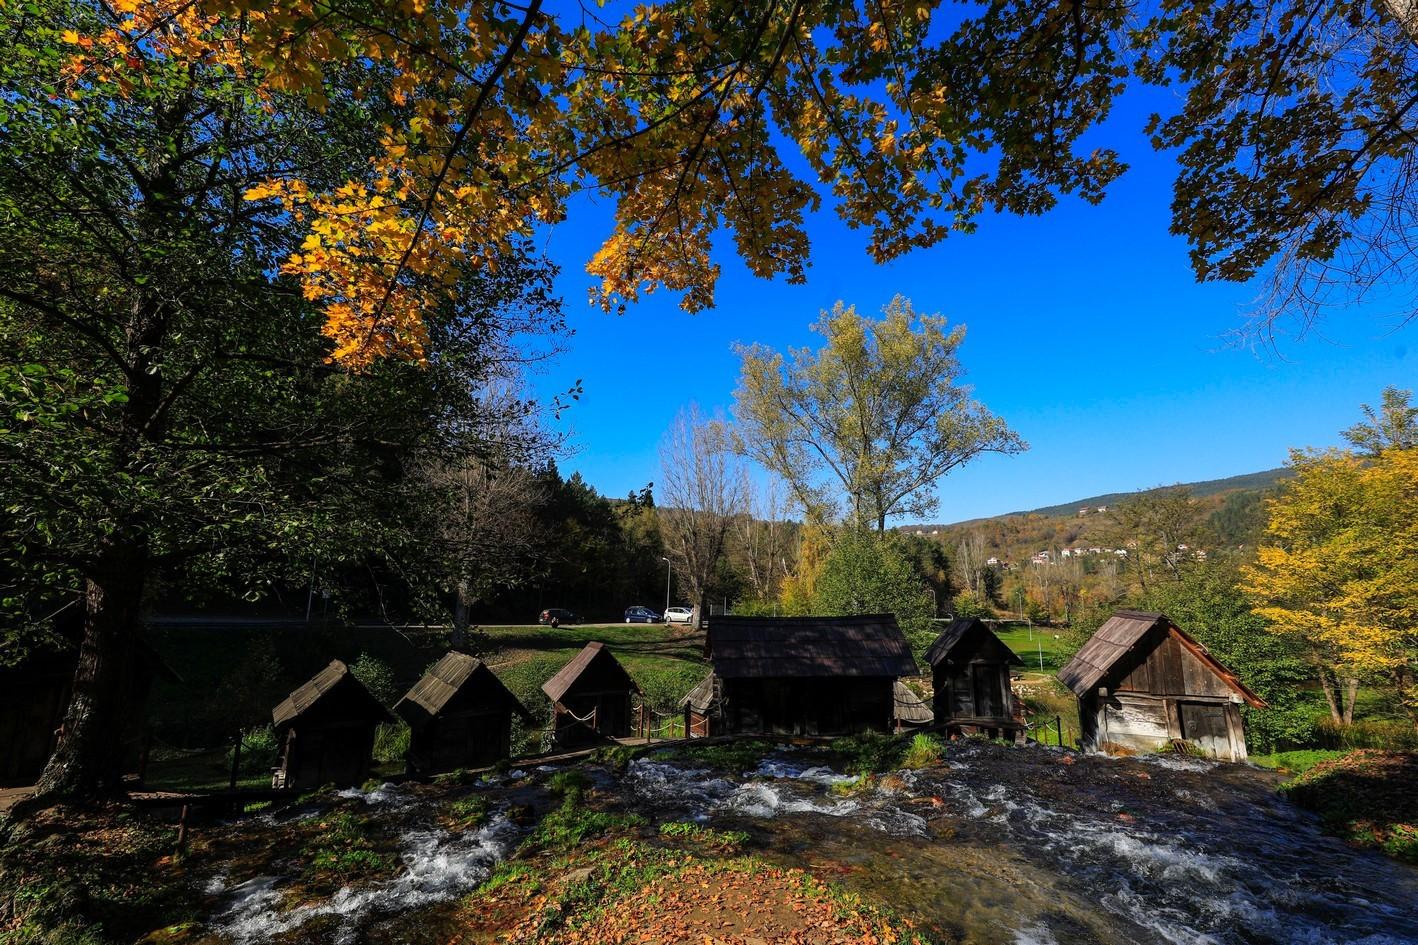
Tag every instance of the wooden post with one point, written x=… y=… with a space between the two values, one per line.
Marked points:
x=1058 y=728
x=182 y=832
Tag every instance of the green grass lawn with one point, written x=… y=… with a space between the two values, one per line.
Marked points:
x=665 y=661
x=1296 y=762
x=1050 y=643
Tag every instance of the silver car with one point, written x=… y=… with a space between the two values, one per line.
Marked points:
x=679 y=614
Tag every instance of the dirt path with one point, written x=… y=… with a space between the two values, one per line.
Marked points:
x=11 y=796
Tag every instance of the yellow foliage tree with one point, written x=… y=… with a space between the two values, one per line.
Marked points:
x=493 y=114
x=799 y=589
x=1339 y=570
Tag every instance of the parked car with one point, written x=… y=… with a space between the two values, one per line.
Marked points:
x=641 y=615
x=556 y=616
x=679 y=615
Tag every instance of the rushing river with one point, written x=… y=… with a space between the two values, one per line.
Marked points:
x=1001 y=846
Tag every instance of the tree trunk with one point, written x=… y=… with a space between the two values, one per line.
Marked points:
x=88 y=761
x=460 y=616
x=1351 y=691
x=1403 y=685
x=1330 y=696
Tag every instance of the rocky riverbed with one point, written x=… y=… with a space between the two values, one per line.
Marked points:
x=993 y=845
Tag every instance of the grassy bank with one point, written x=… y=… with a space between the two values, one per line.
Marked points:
x=1367 y=797
x=1298 y=761
x=587 y=876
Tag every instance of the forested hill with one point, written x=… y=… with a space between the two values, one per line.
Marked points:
x=1247 y=482
x=1256 y=481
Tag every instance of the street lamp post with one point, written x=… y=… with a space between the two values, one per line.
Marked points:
x=667 y=583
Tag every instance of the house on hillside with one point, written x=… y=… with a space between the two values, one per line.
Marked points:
x=459 y=716
x=591 y=698
x=1143 y=683
x=325 y=730
x=803 y=675
x=970 y=669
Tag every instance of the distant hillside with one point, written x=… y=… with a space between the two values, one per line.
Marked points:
x=1247 y=482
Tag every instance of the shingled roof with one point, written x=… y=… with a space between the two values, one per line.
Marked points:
x=952 y=635
x=431 y=694
x=775 y=647
x=557 y=686
x=909 y=707
x=1119 y=634
x=333 y=682
x=701 y=696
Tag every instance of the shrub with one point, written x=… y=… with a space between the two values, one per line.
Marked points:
x=968 y=604
x=868 y=753
x=259 y=750
x=377 y=677
x=391 y=742
x=924 y=751
x=1391 y=734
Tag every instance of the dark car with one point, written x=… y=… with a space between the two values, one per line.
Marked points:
x=641 y=615
x=556 y=616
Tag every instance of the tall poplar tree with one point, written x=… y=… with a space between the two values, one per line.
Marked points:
x=867 y=424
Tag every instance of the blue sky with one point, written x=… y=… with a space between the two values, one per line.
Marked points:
x=1086 y=332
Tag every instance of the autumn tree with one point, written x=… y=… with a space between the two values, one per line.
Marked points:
x=798 y=591
x=871 y=421
x=1338 y=571
x=970 y=563
x=1295 y=141
x=491 y=115
x=702 y=492
x=168 y=411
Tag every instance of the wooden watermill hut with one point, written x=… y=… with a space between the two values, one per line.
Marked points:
x=459 y=716
x=805 y=675
x=1143 y=683
x=970 y=669
x=591 y=698
x=325 y=730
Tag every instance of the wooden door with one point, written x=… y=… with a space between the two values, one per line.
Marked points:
x=613 y=714
x=1204 y=725
x=989 y=694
